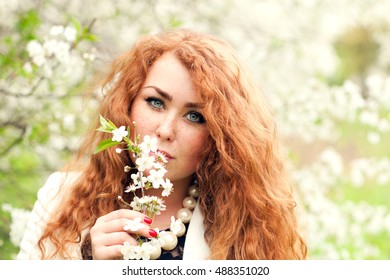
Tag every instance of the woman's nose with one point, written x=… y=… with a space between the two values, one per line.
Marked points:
x=166 y=128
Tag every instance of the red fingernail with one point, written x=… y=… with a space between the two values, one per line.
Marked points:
x=152 y=233
x=147 y=220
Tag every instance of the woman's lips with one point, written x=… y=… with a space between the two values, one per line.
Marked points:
x=167 y=155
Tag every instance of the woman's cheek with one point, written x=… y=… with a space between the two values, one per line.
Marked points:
x=196 y=147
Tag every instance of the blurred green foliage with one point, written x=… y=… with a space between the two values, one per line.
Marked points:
x=357 y=50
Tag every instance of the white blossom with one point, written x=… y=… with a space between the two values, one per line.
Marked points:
x=176 y=225
x=138 y=179
x=145 y=162
x=168 y=187
x=134 y=225
x=36 y=52
x=56 y=30
x=20 y=218
x=70 y=34
x=161 y=157
x=147 y=249
x=119 y=133
x=148 y=145
x=156 y=177
x=131 y=252
x=152 y=204
x=131 y=188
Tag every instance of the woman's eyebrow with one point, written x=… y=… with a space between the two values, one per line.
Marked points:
x=164 y=94
x=193 y=105
x=169 y=97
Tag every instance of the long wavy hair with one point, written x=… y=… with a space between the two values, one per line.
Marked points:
x=245 y=194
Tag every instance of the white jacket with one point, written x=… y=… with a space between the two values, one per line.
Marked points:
x=49 y=197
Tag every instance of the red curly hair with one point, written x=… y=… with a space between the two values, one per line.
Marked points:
x=245 y=195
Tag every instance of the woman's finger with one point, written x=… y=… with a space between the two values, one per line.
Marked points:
x=107 y=252
x=122 y=213
x=114 y=238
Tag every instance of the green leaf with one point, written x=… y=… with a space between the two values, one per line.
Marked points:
x=104 y=145
x=128 y=141
x=28 y=24
x=106 y=125
x=112 y=124
x=91 y=37
x=175 y=22
x=101 y=129
x=76 y=24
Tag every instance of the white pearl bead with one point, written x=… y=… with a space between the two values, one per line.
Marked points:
x=169 y=240
x=193 y=191
x=181 y=231
x=189 y=202
x=184 y=214
x=156 y=252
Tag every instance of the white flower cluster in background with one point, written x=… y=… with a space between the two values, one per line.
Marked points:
x=317 y=111
x=19 y=219
x=58 y=48
x=374 y=170
x=345 y=224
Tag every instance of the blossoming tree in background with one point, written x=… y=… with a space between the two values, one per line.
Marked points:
x=324 y=67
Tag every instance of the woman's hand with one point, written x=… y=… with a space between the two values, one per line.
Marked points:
x=108 y=235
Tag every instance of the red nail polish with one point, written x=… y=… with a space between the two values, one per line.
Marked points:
x=152 y=233
x=147 y=220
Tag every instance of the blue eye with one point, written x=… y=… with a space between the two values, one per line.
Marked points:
x=155 y=102
x=195 y=117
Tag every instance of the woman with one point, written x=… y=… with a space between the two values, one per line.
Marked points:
x=190 y=92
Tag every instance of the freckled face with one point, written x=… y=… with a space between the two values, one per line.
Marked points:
x=168 y=108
